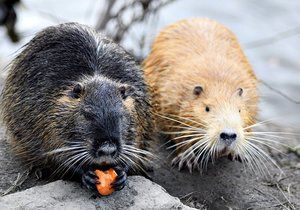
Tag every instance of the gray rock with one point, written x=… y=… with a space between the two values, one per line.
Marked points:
x=140 y=193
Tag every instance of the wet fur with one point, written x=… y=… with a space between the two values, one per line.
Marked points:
x=40 y=114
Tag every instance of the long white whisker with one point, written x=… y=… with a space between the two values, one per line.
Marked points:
x=136 y=151
x=85 y=160
x=186 y=136
x=63 y=149
x=257 y=160
x=270 y=135
x=263 y=153
x=182 y=144
x=188 y=119
x=72 y=160
x=134 y=164
x=185 y=142
x=257 y=124
x=249 y=159
x=190 y=150
x=269 y=140
x=266 y=144
x=204 y=152
x=275 y=132
x=213 y=151
x=179 y=132
x=174 y=120
x=200 y=149
x=187 y=128
x=139 y=157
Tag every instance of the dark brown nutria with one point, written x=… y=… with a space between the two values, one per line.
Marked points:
x=74 y=101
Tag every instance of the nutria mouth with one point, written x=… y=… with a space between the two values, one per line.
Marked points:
x=223 y=152
x=230 y=155
x=104 y=162
x=233 y=157
x=102 y=165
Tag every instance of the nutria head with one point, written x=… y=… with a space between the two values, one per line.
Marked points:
x=99 y=119
x=215 y=109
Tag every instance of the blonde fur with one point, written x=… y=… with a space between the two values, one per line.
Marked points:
x=205 y=53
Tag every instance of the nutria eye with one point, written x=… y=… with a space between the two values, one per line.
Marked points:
x=207 y=109
x=198 y=90
x=77 y=91
x=240 y=91
x=88 y=116
x=239 y=111
x=122 y=90
x=126 y=90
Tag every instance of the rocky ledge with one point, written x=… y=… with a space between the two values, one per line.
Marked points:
x=140 y=193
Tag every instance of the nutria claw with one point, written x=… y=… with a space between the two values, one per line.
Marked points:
x=89 y=180
x=234 y=157
x=121 y=180
x=191 y=162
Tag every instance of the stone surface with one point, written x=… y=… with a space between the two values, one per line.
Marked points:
x=140 y=193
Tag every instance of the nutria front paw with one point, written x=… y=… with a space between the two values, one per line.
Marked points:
x=182 y=160
x=121 y=180
x=233 y=157
x=89 y=180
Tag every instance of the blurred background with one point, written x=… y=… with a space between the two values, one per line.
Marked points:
x=269 y=32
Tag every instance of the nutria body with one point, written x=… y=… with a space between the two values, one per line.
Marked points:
x=204 y=91
x=74 y=101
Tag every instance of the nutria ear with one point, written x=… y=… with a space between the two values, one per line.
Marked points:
x=126 y=90
x=240 y=91
x=198 y=90
x=77 y=90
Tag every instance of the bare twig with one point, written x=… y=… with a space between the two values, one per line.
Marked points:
x=140 y=10
x=275 y=38
x=282 y=204
x=187 y=195
x=280 y=93
x=287 y=199
x=106 y=16
x=21 y=178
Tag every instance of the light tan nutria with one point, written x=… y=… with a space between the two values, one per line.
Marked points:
x=204 y=92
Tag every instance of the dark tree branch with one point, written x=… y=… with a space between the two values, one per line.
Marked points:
x=105 y=18
x=273 y=39
x=280 y=93
x=141 y=10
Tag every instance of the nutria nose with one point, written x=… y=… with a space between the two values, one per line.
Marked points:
x=228 y=137
x=107 y=150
